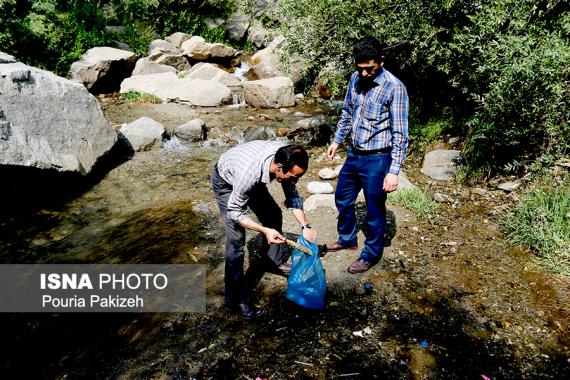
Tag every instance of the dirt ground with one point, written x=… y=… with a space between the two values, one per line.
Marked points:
x=450 y=299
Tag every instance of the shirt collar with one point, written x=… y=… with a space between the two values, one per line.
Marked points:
x=265 y=174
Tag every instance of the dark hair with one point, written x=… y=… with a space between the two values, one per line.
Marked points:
x=366 y=49
x=291 y=155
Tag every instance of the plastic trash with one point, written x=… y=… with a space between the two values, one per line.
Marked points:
x=424 y=343
x=307 y=282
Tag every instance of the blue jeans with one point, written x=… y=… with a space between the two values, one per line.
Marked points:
x=365 y=172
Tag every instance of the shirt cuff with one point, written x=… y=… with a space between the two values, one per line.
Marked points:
x=236 y=216
x=394 y=169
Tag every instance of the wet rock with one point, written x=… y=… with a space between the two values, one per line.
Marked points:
x=197 y=48
x=319 y=200
x=256 y=133
x=312 y=122
x=202 y=208
x=442 y=198
x=237 y=25
x=145 y=66
x=72 y=132
x=440 y=164
x=194 y=130
x=178 y=38
x=284 y=111
x=327 y=173
x=319 y=188
x=143 y=134
x=101 y=69
x=208 y=71
x=269 y=93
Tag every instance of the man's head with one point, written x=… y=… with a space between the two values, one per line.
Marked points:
x=291 y=163
x=369 y=58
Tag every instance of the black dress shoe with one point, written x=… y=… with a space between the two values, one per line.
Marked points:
x=245 y=311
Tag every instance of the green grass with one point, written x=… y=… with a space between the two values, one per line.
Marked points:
x=542 y=222
x=135 y=96
x=414 y=200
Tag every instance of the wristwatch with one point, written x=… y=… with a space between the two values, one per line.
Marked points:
x=306 y=226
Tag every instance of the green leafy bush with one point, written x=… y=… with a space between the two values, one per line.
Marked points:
x=498 y=68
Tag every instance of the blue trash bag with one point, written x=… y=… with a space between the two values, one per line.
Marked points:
x=307 y=282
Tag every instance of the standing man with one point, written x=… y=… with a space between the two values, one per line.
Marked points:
x=375 y=116
x=240 y=180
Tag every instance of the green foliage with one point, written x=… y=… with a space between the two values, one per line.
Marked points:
x=542 y=222
x=499 y=66
x=414 y=200
x=422 y=135
x=141 y=97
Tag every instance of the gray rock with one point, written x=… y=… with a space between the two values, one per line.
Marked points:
x=7 y=58
x=314 y=187
x=194 y=130
x=404 y=183
x=299 y=114
x=256 y=133
x=237 y=25
x=509 y=186
x=201 y=208
x=102 y=69
x=209 y=71
x=178 y=38
x=328 y=173
x=49 y=122
x=257 y=35
x=479 y=191
x=168 y=87
x=178 y=61
x=440 y=164
x=197 y=48
x=145 y=66
x=143 y=134
x=312 y=122
x=284 y=111
x=319 y=200
x=270 y=93
x=442 y=198
x=162 y=46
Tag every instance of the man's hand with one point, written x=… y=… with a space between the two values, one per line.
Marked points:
x=273 y=236
x=310 y=234
x=332 y=150
x=390 y=183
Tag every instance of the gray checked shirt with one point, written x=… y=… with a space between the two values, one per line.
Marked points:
x=247 y=165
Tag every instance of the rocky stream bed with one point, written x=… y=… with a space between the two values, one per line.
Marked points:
x=451 y=299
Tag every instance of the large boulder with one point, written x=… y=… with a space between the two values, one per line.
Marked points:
x=145 y=66
x=205 y=70
x=168 y=87
x=49 y=122
x=143 y=134
x=440 y=164
x=274 y=92
x=237 y=25
x=178 y=38
x=265 y=63
x=163 y=46
x=194 y=130
x=178 y=61
x=102 y=69
x=197 y=48
x=257 y=35
x=6 y=58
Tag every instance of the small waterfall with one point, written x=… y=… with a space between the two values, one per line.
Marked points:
x=241 y=70
x=238 y=100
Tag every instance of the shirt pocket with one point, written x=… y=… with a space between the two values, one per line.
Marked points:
x=375 y=109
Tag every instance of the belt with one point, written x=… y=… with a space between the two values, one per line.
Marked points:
x=361 y=152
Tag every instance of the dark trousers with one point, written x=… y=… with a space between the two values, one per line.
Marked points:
x=269 y=215
x=364 y=172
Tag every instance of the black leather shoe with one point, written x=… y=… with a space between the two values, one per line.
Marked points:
x=245 y=311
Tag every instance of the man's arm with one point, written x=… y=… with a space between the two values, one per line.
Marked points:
x=399 y=123
x=294 y=202
x=344 y=123
x=272 y=236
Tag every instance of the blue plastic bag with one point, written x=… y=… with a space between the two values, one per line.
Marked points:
x=307 y=282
